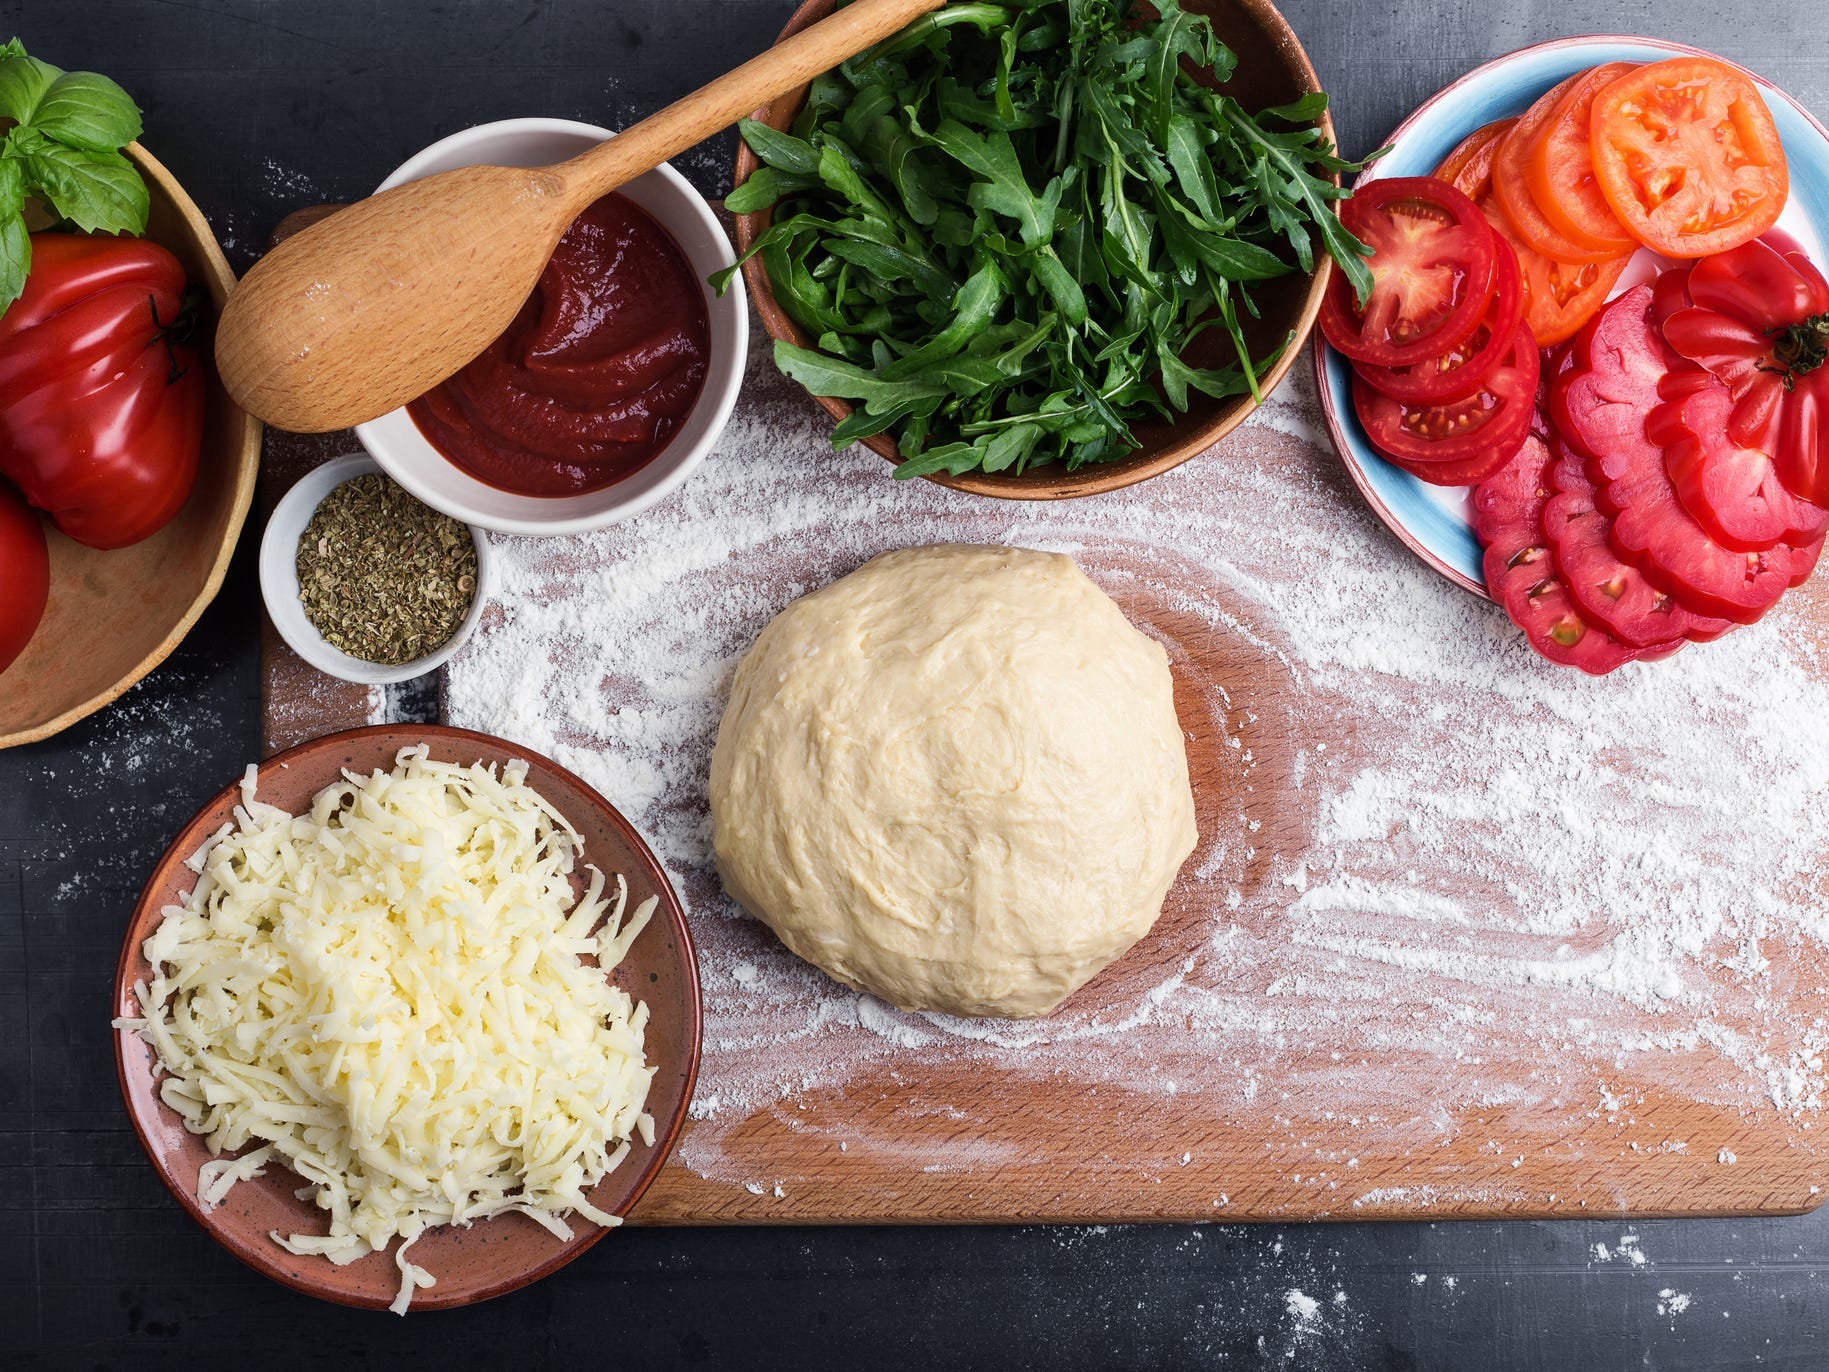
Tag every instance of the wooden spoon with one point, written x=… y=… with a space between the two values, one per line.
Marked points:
x=380 y=302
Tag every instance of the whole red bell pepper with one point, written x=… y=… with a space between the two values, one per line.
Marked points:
x=101 y=400
x=1757 y=319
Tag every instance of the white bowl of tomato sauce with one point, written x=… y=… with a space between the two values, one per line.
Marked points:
x=615 y=380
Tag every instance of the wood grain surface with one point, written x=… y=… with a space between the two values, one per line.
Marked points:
x=940 y=1141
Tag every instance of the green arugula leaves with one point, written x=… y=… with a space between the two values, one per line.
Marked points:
x=1005 y=227
x=65 y=145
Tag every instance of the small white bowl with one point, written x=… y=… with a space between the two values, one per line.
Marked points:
x=279 y=581
x=397 y=444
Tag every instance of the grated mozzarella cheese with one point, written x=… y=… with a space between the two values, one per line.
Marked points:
x=385 y=994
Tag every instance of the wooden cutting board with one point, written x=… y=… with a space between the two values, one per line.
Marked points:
x=1143 y=1122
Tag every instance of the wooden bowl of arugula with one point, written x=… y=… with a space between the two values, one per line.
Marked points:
x=1033 y=259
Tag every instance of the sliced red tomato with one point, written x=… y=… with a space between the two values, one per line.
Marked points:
x=25 y=575
x=1512 y=189
x=1758 y=321
x=1559 y=297
x=1494 y=418
x=1469 y=167
x=1731 y=491
x=1521 y=570
x=1431 y=265
x=1469 y=471
x=1559 y=168
x=1607 y=591
x=1463 y=369
x=1686 y=153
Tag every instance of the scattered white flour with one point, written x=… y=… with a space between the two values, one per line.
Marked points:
x=1301 y=1307
x=1444 y=890
x=1672 y=1302
x=1627 y=1249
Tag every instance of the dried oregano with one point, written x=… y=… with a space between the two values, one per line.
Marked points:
x=382 y=576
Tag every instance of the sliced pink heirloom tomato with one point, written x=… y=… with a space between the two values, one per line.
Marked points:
x=1757 y=319
x=1607 y=591
x=1522 y=573
x=1732 y=491
x=1620 y=372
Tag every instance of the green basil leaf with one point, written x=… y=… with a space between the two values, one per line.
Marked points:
x=99 y=192
x=83 y=109
x=23 y=82
x=15 y=257
x=12 y=187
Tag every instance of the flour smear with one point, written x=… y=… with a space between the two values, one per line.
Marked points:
x=1438 y=878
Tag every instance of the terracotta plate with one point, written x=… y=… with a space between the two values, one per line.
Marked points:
x=493 y=1256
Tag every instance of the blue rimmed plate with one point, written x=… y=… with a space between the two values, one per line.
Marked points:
x=1433 y=521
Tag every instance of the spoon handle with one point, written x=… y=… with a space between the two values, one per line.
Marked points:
x=644 y=146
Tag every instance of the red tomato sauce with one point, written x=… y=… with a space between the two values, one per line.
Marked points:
x=596 y=374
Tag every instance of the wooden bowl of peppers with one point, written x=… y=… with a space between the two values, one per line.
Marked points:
x=119 y=445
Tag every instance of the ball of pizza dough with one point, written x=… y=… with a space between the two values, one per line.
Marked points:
x=954 y=779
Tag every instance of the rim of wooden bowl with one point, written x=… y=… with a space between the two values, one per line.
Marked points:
x=1051 y=482
x=219 y=280
x=140 y=1094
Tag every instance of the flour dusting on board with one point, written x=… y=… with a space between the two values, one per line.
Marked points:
x=1420 y=844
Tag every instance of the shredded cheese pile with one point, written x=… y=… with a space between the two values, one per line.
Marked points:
x=386 y=995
